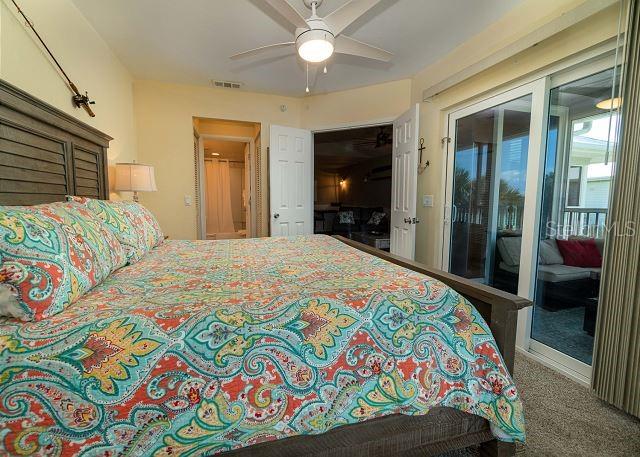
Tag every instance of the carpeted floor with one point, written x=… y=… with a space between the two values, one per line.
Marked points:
x=564 y=419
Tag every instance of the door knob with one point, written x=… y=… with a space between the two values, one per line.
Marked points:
x=407 y=220
x=276 y=216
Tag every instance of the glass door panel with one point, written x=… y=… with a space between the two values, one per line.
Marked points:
x=575 y=196
x=488 y=193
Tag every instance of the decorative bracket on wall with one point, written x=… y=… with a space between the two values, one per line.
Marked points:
x=421 y=167
x=79 y=100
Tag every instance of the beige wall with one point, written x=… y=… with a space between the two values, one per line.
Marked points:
x=365 y=105
x=85 y=57
x=590 y=32
x=164 y=120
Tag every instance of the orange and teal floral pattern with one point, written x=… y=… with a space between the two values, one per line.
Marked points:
x=206 y=346
x=51 y=255
x=133 y=225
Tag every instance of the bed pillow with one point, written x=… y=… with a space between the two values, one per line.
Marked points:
x=116 y=220
x=132 y=224
x=50 y=256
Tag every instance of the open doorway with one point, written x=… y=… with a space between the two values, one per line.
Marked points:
x=225 y=154
x=352 y=184
x=226 y=189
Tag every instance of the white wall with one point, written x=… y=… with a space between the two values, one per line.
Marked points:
x=85 y=57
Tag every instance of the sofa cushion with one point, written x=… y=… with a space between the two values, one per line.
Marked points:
x=515 y=269
x=549 y=253
x=560 y=273
x=346 y=217
x=509 y=248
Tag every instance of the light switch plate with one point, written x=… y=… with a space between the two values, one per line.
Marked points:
x=427 y=201
x=187 y=200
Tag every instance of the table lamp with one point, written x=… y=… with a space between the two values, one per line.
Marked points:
x=135 y=177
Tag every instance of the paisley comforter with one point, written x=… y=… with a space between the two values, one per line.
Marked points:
x=206 y=346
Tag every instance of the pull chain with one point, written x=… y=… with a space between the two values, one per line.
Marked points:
x=307 y=89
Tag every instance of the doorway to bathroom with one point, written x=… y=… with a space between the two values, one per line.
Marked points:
x=225 y=153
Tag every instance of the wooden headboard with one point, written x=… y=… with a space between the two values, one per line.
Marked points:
x=46 y=154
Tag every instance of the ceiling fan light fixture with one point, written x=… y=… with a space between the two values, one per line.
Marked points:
x=610 y=103
x=315 y=45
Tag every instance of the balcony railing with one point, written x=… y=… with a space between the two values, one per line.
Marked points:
x=589 y=222
x=509 y=217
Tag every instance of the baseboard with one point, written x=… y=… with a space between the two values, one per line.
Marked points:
x=550 y=363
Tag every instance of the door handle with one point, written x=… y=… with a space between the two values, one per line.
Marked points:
x=407 y=220
x=276 y=216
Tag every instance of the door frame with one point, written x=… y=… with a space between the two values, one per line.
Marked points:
x=531 y=88
x=338 y=128
x=589 y=62
x=202 y=219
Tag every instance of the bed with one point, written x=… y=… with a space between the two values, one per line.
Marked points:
x=279 y=346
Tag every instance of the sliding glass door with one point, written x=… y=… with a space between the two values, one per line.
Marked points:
x=575 y=198
x=527 y=192
x=488 y=171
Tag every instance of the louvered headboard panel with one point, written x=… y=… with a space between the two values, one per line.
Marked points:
x=45 y=154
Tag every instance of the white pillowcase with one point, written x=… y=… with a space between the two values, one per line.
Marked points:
x=9 y=305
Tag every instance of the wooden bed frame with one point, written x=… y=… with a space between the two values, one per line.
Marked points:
x=46 y=154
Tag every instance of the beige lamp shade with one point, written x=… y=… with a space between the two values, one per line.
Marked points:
x=135 y=177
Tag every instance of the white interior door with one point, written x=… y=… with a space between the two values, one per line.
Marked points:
x=291 y=181
x=404 y=184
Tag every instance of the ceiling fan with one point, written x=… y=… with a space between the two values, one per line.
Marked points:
x=383 y=138
x=316 y=38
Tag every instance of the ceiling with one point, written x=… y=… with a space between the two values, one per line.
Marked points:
x=190 y=41
x=344 y=148
x=582 y=96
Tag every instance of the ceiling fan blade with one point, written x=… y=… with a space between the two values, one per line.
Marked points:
x=347 y=45
x=288 y=12
x=261 y=49
x=344 y=16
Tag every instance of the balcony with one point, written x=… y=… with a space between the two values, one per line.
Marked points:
x=588 y=222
